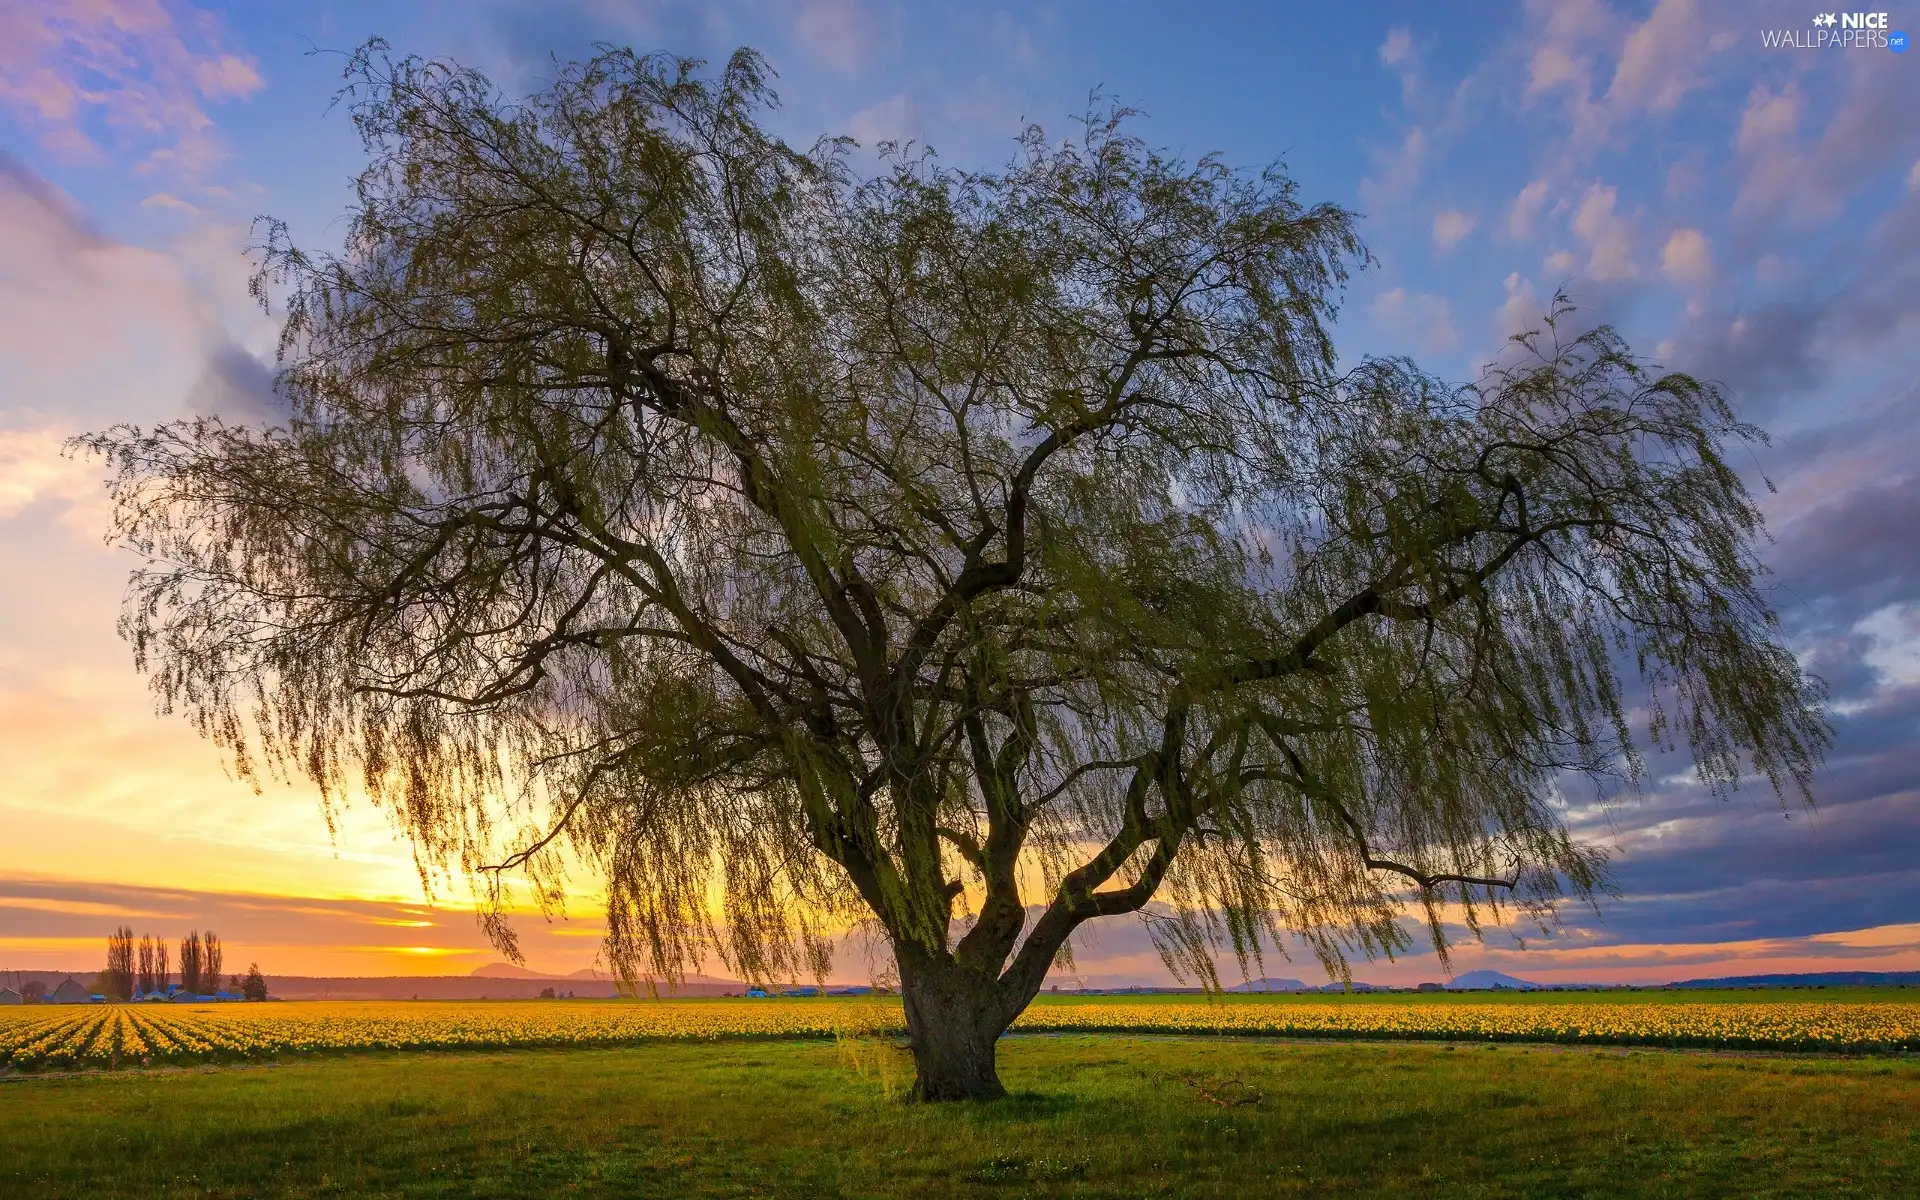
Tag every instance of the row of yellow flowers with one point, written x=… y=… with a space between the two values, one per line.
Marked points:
x=118 y=1036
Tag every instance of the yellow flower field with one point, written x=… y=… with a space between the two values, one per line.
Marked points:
x=48 y=1038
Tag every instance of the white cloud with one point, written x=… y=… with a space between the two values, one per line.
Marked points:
x=1665 y=57
x=1894 y=636
x=1014 y=40
x=840 y=33
x=1686 y=259
x=168 y=201
x=1564 y=58
x=72 y=68
x=895 y=119
x=226 y=76
x=1851 y=141
x=1450 y=228
x=1418 y=315
x=1397 y=171
x=1913 y=178
x=1526 y=207
x=1765 y=138
x=1609 y=236
x=91 y=330
x=33 y=467
x=1398 y=47
x=1521 y=310
x=1685 y=178
x=1399 y=55
x=1604 y=70
x=1768 y=117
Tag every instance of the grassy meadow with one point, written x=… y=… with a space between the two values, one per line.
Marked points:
x=1091 y=1115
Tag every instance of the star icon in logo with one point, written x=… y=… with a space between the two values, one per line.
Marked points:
x=1825 y=19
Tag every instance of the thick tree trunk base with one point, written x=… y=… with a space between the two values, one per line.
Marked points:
x=953 y=1024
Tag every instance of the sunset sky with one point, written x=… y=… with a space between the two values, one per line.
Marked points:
x=1746 y=212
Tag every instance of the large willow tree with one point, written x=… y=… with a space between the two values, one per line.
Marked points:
x=974 y=554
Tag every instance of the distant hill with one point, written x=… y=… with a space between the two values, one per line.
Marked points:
x=1269 y=985
x=1491 y=979
x=501 y=970
x=1812 y=979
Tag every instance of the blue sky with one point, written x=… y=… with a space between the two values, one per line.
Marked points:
x=1745 y=212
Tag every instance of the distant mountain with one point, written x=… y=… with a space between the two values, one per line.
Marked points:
x=1812 y=979
x=1491 y=979
x=1358 y=986
x=1269 y=985
x=502 y=970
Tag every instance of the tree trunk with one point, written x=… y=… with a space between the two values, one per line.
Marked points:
x=954 y=1019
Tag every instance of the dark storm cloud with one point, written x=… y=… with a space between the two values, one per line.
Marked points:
x=1696 y=869
x=1871 y=759
x=237 y=386
x=1855 y=308
x=1692 y=868
x=1763 y=356
x=1763 y=908
x=1856 y=552
x=1840 y=660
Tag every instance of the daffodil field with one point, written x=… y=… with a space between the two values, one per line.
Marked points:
x=108 y=1037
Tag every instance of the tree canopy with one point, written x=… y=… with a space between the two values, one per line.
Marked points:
x=975 y=553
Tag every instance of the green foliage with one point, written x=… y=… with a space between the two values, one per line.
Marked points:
x=918 y=546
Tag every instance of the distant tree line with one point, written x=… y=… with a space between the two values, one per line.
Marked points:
x=147 y=967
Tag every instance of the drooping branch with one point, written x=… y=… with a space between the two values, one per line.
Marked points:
x=1303 y=779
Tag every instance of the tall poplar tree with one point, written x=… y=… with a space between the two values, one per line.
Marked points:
x=191 y=961
x=118 y=978
x=212 y=959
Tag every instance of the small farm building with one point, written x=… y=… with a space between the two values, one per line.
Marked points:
x=70 y=992
x=9 y=996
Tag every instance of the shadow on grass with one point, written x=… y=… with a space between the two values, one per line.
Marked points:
x=1016 y=1107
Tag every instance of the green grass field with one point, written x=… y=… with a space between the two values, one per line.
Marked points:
x=1097 y=1115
